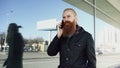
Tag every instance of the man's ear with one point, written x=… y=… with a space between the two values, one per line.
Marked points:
x=76 y=19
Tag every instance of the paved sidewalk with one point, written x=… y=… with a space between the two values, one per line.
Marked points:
x=103 y=61
x=115 y=66
x=28 y=55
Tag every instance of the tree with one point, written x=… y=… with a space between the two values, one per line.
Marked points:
x=34 y=40
x=2 y=40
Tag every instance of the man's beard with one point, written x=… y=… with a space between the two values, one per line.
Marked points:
x=69 y=28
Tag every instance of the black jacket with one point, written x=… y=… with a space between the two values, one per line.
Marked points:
x=16 y=44
x=77 y=51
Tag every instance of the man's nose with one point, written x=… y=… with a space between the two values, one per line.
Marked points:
x=66 y=19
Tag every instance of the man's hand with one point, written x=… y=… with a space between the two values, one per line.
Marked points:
x=59 y=30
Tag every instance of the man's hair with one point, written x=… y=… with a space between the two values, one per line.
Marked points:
x=71 y=10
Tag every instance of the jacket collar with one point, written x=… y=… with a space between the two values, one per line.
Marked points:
x=79 y=29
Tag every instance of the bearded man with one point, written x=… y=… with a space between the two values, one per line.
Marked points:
x=74 y=44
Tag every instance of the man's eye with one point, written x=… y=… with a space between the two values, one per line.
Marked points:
x=68 y=16
x=63 y=17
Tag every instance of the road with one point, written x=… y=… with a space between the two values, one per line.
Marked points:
x=42 y=60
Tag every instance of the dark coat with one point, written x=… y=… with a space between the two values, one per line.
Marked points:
x=16 y=45
x=77 y=51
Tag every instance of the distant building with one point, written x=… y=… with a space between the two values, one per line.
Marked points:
x=108 y=39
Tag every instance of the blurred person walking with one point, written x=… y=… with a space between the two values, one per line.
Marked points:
x=16 y=44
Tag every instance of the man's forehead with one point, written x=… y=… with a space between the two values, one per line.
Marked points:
x=68 y=12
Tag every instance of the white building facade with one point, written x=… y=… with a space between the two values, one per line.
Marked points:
x=108 y=39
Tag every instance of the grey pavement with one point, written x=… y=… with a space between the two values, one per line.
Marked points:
x=42 y=60
x=34 y=60
x=29 y=55
x=108 y=61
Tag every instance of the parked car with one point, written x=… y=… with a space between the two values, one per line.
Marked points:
x=99 y=52
x=29 y=48
x=5 y=48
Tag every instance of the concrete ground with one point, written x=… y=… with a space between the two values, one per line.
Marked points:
x=42 y=60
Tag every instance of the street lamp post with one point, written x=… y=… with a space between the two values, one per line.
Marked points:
x=7 y=23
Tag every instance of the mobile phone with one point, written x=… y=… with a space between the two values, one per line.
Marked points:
x=62 y=25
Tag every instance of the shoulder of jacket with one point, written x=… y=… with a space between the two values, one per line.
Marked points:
x=85 y=33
